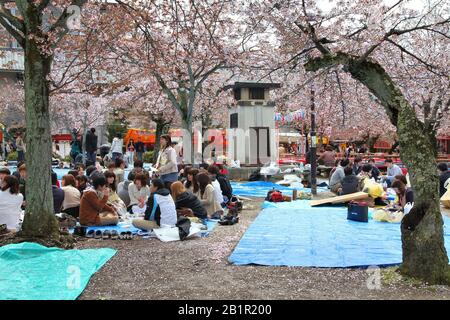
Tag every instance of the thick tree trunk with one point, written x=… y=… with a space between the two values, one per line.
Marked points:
x=39 y=219
x=424 y=254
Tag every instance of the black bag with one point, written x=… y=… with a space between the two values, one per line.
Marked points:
x=255 y=176
x=358 y=211
x=184 y=226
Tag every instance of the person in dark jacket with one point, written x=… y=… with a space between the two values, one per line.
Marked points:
x=357 y=165
x=375 y=171
x=58 y=194
x=187 y=202
x=140 y=149
x=161 y=210
x=225 y=184
x=444 y=175
x=350 y=182
x=405 y=195
x=91 y=145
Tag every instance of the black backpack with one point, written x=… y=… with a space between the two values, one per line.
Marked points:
x=255 y=176
x=184 y=225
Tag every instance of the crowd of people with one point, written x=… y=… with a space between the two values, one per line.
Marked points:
x=14 y=144
x=349 y=177
x=99 y=196
x=133 y=149
x=102 y=193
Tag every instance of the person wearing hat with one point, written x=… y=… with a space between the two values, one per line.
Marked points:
x=3 y=173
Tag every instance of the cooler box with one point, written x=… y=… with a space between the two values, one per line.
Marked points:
x=358 y=211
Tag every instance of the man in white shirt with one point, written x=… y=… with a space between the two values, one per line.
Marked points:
x=392 y=171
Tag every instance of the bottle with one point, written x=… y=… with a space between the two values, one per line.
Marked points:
x=302 y=167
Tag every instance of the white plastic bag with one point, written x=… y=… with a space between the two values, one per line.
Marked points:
x=408 y=207
x=270 y=170
x=235 y=164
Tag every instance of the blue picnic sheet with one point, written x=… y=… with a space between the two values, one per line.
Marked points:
x=260 y=188
x=295 y=234
x=30 y=271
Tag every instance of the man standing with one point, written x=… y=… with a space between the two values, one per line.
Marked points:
x=140 y=149
x=20 y=147
x=91 y=145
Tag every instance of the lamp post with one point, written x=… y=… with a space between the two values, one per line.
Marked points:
x=313 y=145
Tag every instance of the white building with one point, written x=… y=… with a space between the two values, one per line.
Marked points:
x=252 y=132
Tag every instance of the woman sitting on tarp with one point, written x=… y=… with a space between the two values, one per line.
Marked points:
x=160 y=210
x=225 y=185
x=10 y=201
x=191 y=183
x=139 y=193
x=208 y=198
x=114 y=199
x=405 y=195
x=71 y=203
x=94 y=210
x=186 y=203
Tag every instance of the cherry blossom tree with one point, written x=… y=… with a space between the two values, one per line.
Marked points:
x=38 y=28
x=12 y=111
x=180 y=44
x=79 y=111
x=146 y=100
x=400 y=55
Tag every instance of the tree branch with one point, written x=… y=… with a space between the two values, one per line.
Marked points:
x=9 y=17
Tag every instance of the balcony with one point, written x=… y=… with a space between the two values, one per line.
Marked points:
x=247 y=103
x=11 y=60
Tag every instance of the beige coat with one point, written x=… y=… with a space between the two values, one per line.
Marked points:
x=209 y=201
x=167 y=161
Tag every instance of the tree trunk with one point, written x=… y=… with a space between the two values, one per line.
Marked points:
x=39 y=219
x=188 y=141
x=83 y=139
x=424 y=254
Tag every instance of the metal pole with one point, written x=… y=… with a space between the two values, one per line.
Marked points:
x=313 y=146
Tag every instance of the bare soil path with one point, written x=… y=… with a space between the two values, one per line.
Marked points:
x=198 y=269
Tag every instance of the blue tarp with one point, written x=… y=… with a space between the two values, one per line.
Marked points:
x=295 y=234
x=29 y=271
x=260 y=188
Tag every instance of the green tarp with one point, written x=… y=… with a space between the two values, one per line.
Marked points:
x=29 y=271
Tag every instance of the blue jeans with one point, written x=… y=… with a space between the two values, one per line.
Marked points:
x=116 y=155
x=21 y=156
x=91 y=156
x=170 y=177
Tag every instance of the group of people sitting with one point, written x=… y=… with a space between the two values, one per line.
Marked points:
x=100 y=196
x=354 y=177
x=197 y=193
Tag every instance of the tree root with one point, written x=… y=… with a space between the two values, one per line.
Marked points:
x=64 y=241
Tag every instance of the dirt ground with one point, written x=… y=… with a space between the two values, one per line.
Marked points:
x=198 y=269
